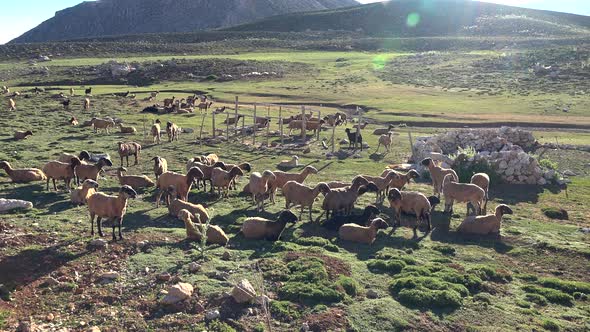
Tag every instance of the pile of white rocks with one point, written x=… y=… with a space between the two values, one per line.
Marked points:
x=503 y=149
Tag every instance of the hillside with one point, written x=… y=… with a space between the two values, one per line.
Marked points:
x=119 y=17
x=438 y=18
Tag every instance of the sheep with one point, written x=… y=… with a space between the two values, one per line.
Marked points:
x=402 y=179
x=105 y=124
x=309 y=125
x=73 y=121
x=234 y=120
x=262 y=122
x=222 y=179
x=245 y=167
x=344 y=198
x=257 y=228
x=58 y=96
x=66 y=103
x=72 y=92
x=79 y=196
x=169 y=101
x=434 y=201
x=383 y=131
x=156 y=132
x=483 y=181
x=333 y=119
x=219 y=110
x=154 y=94
x=382 y=182
x=336 y=222
x=281 y=178
x=385 y=140
x=91 y=172
x=305 y=196
x=215 y=235
x=160 y=166
x=462 y=193
x=111 y=207
x=127 y=130
x=23 y=175
x=343 y=117
x=484 y=225
x=129 y=149
x=293 y=162
x=259 y=186
x=4 y=89
x=212 y=158
x=437 y=174
x=18 y=135
x=11 y=104
x=182 y=183
x=88 y=91
x=175 y=205
x=410 y=202
x=134 y=181
x=86 y=104
x=121 y=94
x=55 y=170
x=204 y=106
x=84 y=156
x=206 y=170
x=354 y=139
x=173 y=131
x=362 y=234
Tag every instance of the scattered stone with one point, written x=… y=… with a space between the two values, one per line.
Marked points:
x=307 y=150
x=366 y=145
x=585 y=230
x=212 y=314
x=243 y=292
x=99 y=243
x=344 y=142
x=109 y=276
x=569 y=173
x=50 y=317
x=188 y=130
x=142 y=244
x=164 y=277
x=226 y=256
x=194 y=267
x=372 y=294
x=93 y=329
x=178 y=292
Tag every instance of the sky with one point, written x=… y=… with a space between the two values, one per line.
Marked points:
x=20 y=16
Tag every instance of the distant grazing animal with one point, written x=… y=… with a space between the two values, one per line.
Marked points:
x=86 y=104
x=72 y=92
x=156 y=132
x=154 y=94
x=102 y=124
x=73 y=121
x=66 y=103
x=173 y=131
x=169 y=102
x=438 y=174
x=220 y=109
x=121 y=94
x=151 y=109
x=384 y=140
x=204 y=106
x=11 y=104
x=88 y=91
x=354 y=139
x=18 y=135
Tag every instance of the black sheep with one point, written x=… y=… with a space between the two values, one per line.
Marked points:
x=150 y=109
x=66 y=103
x=88 y=91
x=353 y=139
x=368 y=214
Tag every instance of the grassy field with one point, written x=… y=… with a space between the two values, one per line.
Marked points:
x=534 y=276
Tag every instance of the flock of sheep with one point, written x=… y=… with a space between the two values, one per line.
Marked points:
x=339 y=198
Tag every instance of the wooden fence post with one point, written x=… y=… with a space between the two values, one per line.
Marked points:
x=319 y=124
x=268 y=125
x=411 y=144
x=236 y=114
x=303 y=125
x=254 y=132
x=227 y=127
x=201 y=132
x=243 y=128
x=333 y=137
x=358 y=127
x=281 y=124
x=213 y=123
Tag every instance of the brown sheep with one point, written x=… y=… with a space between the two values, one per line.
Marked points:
x=134 y=181
x=182 y=183
x=24 y=175
x=411 y=203
x=281 y=178
x=160 y=166
x=303 y=195
x=384 y=140
x=382 y=182
x=259 y=186
x=309 y=125
x=484 y=225
x=483 y=181
x=194 y=231
x=462 y=193
x=86 y=104
x=402 y=179
x=18 y=135
x=109 y=207
x=80 y=195
x=56 y=170
x=129 y=149
x=438 y=174
x=11 y=104
x=88 y=171
x=102 y=124
x=173 y=131
x=362 y=234
x=257 y=228
x=222 y=179
x=343 y=199
x=176 y=205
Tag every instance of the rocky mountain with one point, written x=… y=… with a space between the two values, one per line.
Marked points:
x=121 y=17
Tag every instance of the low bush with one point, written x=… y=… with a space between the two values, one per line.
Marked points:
x=285 y=311
x=555 y=213
x=427 y=298
x=546 y=163
x=569 y=287
x=445 y=250
x=552 y=295
x=492 y=274
x=317 y=242
x=523 y=304
x=310 y=293
x=536 y=299
x=349 y=285
x=218 y=326
x=483 y=298
x=550 y=325
x=381 y=266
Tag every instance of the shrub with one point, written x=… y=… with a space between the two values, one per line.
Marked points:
x=349 y=285
x=317 y=242
x=381 y=266
x=445 y=250
x=307 y=269
x=259 y=328
x=492 y=274
x=580 y=296
x=310 y=293
x=523 y=304
x=218 y=326
x=465 y=170
x=285 y=311
x=569 y=287
x=427 y=298
x=552 y=295
x=555 y=213
x=527 y=277
x=211 y=77
x=470 y=281
x=3 y=318
x=273 y=269
x=483 y=298
x=550 y=325
x=537 y=299
x=426 y=283
x=546 y=163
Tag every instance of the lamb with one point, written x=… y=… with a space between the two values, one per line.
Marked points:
x=176 y=205
x=86 y=104
x=129 y=149
x=305 y=196
x=362 y=234
x=102 y=124
x=127 y=130
x=281 y=178
x=354 y=139
x=79 y=196
x=484 y=225
x=55 y=170
x=173 y=131
x=293 y=162
x=18 y=135
x=182 y=183
x=204 y=106
x=156 y=132
x=309 y=125
x=344 y=198
x=410 y=202
x=134 y=181
x=257 y=228
x=109 y=207
x=24 y=175
x=206 y=170
x=385 y=140
x=234 y=120
x=11 y=104
x=222 y=179
x=215 y=235
x=462 y=193
x=259 y=186
x=483 y=181
x=336 y=222
x=160 y=166
x=437 y=174
x=383 y=131
x=382 y=182
x=85 y=171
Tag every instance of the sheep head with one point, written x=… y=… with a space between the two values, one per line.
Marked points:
x=413 y=174
x=269 y=176
x=310 y=170
x=122 y=169
x=448 y=179
x=246 y=167
x=427 y=162
x=433 y=200
x=287 y=216
x=323 y=188
x=504 y=209
x=359 y=181
x=90 y=184
x=75 y=162
x=194 y=173
x=372 y=210
x=185 y=215
x=127 y=192
x=394 y=196
x=379 y=223
x=236 y=171
x=28 y=133
x=220 y=164
x=172 y=190
x=84 y=155
x=4 y=165
x=105 y=162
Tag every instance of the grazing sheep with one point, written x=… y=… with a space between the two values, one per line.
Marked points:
x=484 y=225
x=155 y=131
x=79 y=196
x=343 y=199
x=121 y=94
x=259 y=186
x=220 y=109
x=233 y=121
x=86 y=104
x=182 y=183
x=11 y=104
x=55 y=170
x=281 y=178
x=67 y=157
x=160 y=166
x=222 y=179
x=336 y=222
x=105 y=124
x=85 y=171
x=410 y=202
x=299 y=194
x=127 y=130
x=66 y=103
x=154 y=94
x=362 y=234
x=382 y=182
x=204 y=106
x=129 y=149
x=262 y=122
x=462 y=193
x=385 y=140
x=134 y=181
x=215 y=235
x=18 y=135
x=24 y=175
x=483 y=181
x=257 y=228
x=175 y=205
x=333 y=119
x=309 y=125
x=437 y=174
x=294 y=162
x=245 y=167
x=206 y=170
x=173 y=131
x=383 y=131
x=402 y=179
x=354 y=139
x=110 y=207
x=72 y=92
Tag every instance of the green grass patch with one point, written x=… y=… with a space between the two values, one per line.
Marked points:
x=381 y=266
x=536 y=299
x=428 y=292
x=550 y=325
x=552 y=295
x=569 y=287
x=285 y=311
x=349 y=285
x=445 y=250
x=317 y=242
x=3 y=318
x=219 y=326
x=488 y=273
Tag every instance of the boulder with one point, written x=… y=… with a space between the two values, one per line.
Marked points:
x=243 y=292
x=178 y=292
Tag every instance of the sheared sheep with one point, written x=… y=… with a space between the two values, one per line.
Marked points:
x=260 y=228
x=194 y=231
x=309 y=125
x=483 y=225
x=86 y=171
x=259 y=186
x=402 y=179
x=24 y=175
x=483 y=181
x=79 y=196
x=134 y=181
x=336 y=222
x=410 y=202
x=281 y=178
x=19 y=134
x=462 y=193
x=55 y=170
x=299 y=194
x=362 y=234
x=293 y=162
x=182 y=183
x=160 y=166
x=129 y=149
x=127 y=130
x=222 y=179
x=438 y=174
x=245 y=167
x=109 y=207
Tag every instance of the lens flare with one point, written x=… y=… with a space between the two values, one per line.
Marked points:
x=379 y=62
x=413 y=20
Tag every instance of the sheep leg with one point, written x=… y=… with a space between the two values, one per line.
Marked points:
x=47 y=184
x=160 y=192
x=136 y=158
x=54 y=186
x=99 y=226
x=92 y=215
x=211 y=186
x=127 y=158
x=310 y=216
x=121 y=161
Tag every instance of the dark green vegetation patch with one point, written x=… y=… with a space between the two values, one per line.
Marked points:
x=552 y=295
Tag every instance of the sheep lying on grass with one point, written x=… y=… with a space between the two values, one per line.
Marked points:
x=127 y=130
x=438 y=174
x=175 y=205
x=109 y=207
x=260 y=228
x=462 y=193
x=24 y=175
x=129 y=149
x=182 y=183
x=293 y=162
x=22 y=134
x=55 y=170
x=362 y=234
x=259 y=186
x=484 y=225
x=410 y=202
x=299 y=194
x=160 y=166
x=369 y=213
x=281 y=178
x=194 y=231
x=343 y=199
x=80 y=195
x=134 y=181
